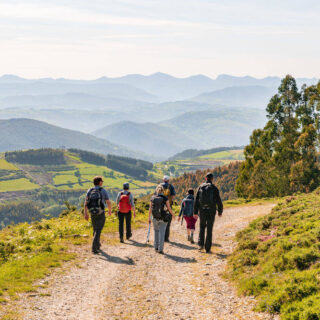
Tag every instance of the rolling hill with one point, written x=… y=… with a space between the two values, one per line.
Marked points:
x=150 y=138
x=20 y=134
x=245 y=96
x=56 y=87
x=219 y=126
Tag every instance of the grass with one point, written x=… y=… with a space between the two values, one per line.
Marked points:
x=225 y=155
x=5 y=165
x=29 y=252
x=65 y=179
x=278 y=259
x=17 y=185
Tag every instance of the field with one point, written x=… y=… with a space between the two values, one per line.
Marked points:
x=75 y=175
x=178 y=167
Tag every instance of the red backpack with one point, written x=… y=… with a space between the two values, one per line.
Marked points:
x=124 y=203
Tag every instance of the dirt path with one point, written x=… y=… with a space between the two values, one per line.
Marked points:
x=131 y=281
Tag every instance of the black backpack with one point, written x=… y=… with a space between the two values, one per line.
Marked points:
x=157 y=207
x=206 y=195
x=94 y=202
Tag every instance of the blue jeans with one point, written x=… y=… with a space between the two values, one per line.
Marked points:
x=159 y=227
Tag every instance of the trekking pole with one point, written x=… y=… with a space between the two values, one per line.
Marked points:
x=148 y=235
x=182 y=220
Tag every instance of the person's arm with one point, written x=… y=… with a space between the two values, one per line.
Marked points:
x=181 y=210
x=150 y=211
x=108 y=202
x=86 y=215
x=219 y=203
x=132 y=204
x=169 y=209
x=196 y=205
x=118 y=198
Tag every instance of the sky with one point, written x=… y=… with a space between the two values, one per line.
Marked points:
x=84 y=39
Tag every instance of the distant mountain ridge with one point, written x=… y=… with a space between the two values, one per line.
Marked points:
x=153 y=88
x=19 y=134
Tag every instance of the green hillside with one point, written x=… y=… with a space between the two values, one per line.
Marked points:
x=74 y=174
x=29 y=190
x=211 y=160
x=277 y=259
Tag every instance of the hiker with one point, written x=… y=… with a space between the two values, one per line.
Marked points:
x=206 y=203
x=95 y=202
x=186 y=212
x=161 y=212
x=125 y=202
x=170 y=193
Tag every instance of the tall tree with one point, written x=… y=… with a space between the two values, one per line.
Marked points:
x=281 y=157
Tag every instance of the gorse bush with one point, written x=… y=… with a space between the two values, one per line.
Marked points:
x=278 y=259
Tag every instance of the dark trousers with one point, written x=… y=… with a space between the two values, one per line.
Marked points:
x=97 y=224
x=167 y=235
x=207 y=217
x=121 y=217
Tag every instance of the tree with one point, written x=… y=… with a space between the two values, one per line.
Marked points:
x=281 y=157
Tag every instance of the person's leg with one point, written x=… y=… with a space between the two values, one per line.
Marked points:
x=167 y=234
x=203 y=224
x=156 y=229
x=210 y=222
x=121 y=220
x=99 y=224
x=188 y=227
x=94 y=227
x=128 y=225
x=162 y=231
x=192 y=228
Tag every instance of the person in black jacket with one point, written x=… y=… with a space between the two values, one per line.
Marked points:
x=206 y=203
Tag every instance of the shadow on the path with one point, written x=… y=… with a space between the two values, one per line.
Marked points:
x=180 y=259
x=138 y=244
x=222 y=256
x=217 y=245
x=182 y=245
x=114 y=259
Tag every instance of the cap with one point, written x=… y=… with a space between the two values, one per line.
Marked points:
x=209 y=176
x=166 y=178
x=126 y=186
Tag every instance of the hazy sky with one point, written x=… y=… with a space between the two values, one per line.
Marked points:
x=92 y=38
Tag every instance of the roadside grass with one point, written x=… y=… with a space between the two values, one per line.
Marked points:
x=277 y=259
x=29 y=252
x=17 y=185
x=239 y=202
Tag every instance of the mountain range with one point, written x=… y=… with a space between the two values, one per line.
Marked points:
x=152 y=116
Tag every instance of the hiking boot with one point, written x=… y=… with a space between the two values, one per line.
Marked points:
x=156 y=249
x=166 y=240
x=161 y=252
x=129 y=236
x=189 y=238
x=95 y=251
x=121 y=240
x=208 y=251
x=200 y=248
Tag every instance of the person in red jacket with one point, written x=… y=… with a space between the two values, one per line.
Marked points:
x=125 y=202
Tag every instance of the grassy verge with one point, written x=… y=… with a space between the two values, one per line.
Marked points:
x=249 y=202
x=29 y=252
x=277 y=259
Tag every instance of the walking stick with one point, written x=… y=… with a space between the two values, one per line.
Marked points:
x=148 y=235
x=182 y=220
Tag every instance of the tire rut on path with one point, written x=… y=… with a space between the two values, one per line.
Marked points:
x=132 y=281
